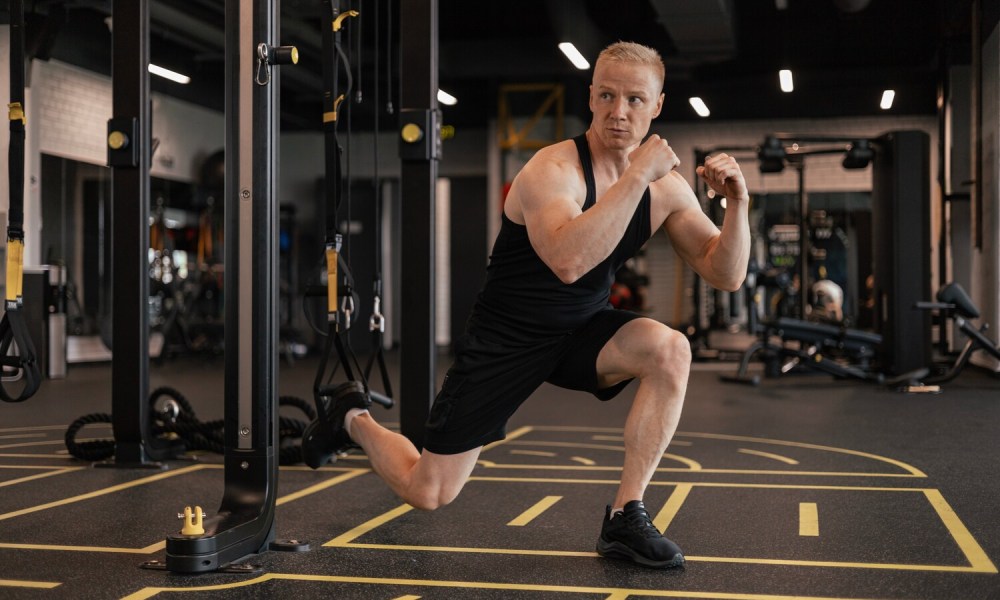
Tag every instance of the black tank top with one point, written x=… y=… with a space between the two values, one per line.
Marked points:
x=523 y=300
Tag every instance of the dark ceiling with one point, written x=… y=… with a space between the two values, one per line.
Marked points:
x=843 y=52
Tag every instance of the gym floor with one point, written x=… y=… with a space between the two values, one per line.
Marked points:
x=804 y=487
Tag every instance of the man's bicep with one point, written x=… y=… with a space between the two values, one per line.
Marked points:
x=546 y=206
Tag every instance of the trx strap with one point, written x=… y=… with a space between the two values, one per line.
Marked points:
x=376 y=323
x=13 y=329
x=339 y=316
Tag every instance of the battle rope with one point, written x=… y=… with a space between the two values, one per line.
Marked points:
x=13 y=329
x=175 y=418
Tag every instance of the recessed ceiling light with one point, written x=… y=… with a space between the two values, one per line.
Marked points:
x=446 y=98
x=699 y=106
x=574 y=56
x=785 y=77
x=887 y=97
x=168 y=74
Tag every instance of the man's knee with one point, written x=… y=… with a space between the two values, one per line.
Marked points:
x=669 y=352
x=432 y=497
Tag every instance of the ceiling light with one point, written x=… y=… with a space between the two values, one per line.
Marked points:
x=887 y=97
x=574 y=56
x=699 y=106
x=446 y=98
x=168 y=74
x=785 y=77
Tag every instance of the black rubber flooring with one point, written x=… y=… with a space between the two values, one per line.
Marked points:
x=804 y=487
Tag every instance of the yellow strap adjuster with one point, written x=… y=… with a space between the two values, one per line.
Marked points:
x=16 y=112
x=340 y=18
x=331 y=280
x=15 y=269
x=331 y=116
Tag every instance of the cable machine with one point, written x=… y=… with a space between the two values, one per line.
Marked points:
x=244 y=523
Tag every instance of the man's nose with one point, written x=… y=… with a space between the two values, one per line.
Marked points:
x=618 y=107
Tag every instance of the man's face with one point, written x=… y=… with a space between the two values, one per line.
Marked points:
x=624 y=98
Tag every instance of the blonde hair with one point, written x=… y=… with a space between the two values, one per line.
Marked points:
x=631 y=52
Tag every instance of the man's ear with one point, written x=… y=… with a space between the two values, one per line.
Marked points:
x=659 y=105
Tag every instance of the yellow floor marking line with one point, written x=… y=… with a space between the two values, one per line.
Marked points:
x=583 y=461
x=63 y=548
x=533 y=453
x=673 y=504
x=40 y=467
x=62 y=456
x=39 y=476
x=808 y=519
x=320 y=486
x=910 y=470
x=778 y=457
x=58 y=442
x=692 y=465
x=367 y=526
x=49 y=427
x=409 y=598
x=102 y=492
x=527 y=467
x=973 y=551
x=160 y=545
x=513 y=435
x=610 y=593
x=22 y=435
x=621 y=438
x=913 y=471
x=529 y=515
x=978 y=561
x=44 y=585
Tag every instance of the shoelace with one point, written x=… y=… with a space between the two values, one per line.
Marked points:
x=639 y=521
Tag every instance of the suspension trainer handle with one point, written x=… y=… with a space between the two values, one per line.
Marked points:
x=17 y=352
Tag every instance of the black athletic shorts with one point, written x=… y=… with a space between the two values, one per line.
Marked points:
x=490 y=380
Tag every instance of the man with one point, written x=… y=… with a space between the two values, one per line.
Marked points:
x=574 y=214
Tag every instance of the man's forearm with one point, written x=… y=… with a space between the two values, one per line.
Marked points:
x=729 y=256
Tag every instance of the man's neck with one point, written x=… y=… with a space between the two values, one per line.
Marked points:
x=606 y=159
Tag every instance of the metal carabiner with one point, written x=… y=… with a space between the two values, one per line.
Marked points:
x=263 y=64
x=347 y=307
x=377 y=321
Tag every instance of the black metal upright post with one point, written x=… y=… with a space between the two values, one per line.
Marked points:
x=420 y=150
x=129 y=157
x=244 y=523
x=800 y=167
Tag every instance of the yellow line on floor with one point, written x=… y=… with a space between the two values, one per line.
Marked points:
x=367 y=526
x=768 y=486
x=673 y=504
x=22 y=435
x=320 y=486
x=45 y=585
x=513 y=435
x=494 y=465
x=613 y=593
x=692 y=465
x=39 y=476
x=410 y=597
x=39 y=467
x=64 y=548
x=63 y=456
x=808 y=519
x=529 y=515
x=56 y=442
x=583 y=461
x=533 y=453
x=913 y=471
x=49 y=427
x=970 y=547
x=778 y=457
x=102 y=492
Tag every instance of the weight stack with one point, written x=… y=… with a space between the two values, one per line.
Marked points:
x=901 y=249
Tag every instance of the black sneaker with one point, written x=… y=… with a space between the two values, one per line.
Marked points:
x=324 y=438
x=631 y=535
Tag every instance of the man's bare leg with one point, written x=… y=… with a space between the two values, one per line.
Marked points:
x=660 y=358
x=424 y=480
